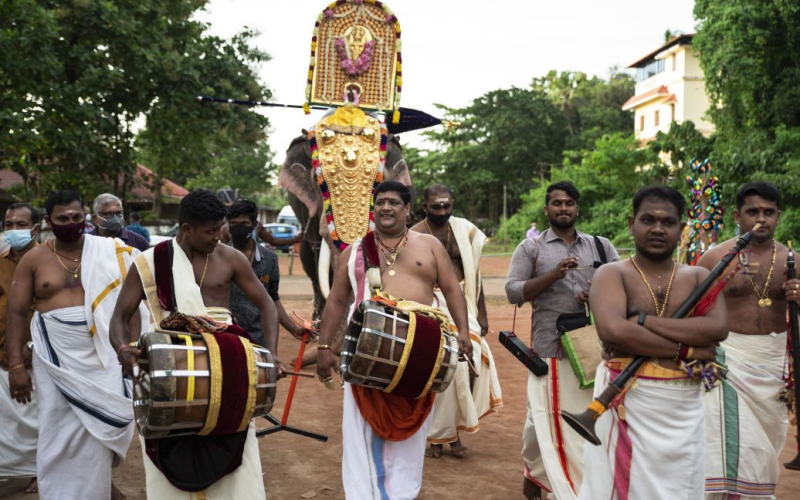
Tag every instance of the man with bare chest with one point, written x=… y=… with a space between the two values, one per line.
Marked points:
x=85 y=412
x=468 y=398
x=652 y=442
x=746 y=423
x=385 y=434
x=197 y=276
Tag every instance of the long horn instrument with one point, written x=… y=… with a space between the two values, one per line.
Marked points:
x=795 y=333
x=584 y=423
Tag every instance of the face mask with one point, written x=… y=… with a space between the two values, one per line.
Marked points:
x=439 y=220
x=69 y=233
x=19 y=238
x=240 y=235
x=113 y=224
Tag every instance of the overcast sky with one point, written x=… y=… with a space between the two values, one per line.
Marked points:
x=455 y=51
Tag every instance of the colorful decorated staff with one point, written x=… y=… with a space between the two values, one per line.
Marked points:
x=705 y=214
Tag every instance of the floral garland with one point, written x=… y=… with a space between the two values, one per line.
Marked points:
x=362 y=64
x=391 y=19
x=323 y=184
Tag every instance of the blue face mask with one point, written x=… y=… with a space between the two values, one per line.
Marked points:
x=18 y=238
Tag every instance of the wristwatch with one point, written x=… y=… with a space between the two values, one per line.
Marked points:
x=642 y=317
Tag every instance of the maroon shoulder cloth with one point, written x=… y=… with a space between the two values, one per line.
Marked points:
x=193 y=463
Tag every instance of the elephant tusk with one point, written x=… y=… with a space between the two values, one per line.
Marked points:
x=323 y=269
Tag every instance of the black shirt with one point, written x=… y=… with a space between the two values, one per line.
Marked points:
x=265 y=265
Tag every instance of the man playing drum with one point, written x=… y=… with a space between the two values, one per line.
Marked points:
x=85 y=411
x=467 y=398
x=746 y=422
x=554 y=272
x=652 y=442
x=201 y=276
x=384 y=434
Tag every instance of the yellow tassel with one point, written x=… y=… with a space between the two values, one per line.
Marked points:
x=399 y=68
x=396 y=116
x=399 y=81
x=306 y=108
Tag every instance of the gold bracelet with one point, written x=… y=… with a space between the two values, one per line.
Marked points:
x=17 y=367
x=324 y=347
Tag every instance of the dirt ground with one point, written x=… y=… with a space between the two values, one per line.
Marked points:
x=296 y=467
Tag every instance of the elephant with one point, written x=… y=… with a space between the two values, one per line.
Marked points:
x=318 y=254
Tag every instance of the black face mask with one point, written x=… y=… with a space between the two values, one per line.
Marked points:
x=240 y=235
x=439 y=220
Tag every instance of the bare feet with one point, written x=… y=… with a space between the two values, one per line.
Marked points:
x=116 y=494
x=33 y=486
x=531 y=490
x=458 y=450
x=435 y=451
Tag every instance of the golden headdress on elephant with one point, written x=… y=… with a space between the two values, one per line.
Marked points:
x=355 y=65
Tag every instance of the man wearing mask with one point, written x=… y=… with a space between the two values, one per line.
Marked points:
x=242 y=221
x=470 y=396
x=110 y=219
x=19 y=430
x=85 y=413
x=554 y=273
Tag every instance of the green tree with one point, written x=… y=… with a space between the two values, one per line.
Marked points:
x=75 y=75
x=754 y=77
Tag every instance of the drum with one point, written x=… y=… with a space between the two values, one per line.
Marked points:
x=190 y=394
x=406 y=354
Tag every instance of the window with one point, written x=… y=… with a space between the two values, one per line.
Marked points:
x=641 y=122
x=674 y=61
x=656 y=120
x=652 y=68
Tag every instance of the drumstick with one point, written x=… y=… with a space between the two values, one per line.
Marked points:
x=471 y=365
x=300 y=374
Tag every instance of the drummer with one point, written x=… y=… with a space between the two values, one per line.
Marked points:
x=385 y=435
x=201 y=277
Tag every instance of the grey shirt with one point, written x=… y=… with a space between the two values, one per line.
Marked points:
x=265 y=266
x=534 y=258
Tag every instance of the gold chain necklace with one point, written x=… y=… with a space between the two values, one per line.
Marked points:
x=391 y=259
x=763 y=296
x=73 y=272
x=205 y=267
x=447 y=240
x=663 y=308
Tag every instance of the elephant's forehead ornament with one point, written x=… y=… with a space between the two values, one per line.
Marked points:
x=355 y=65
x=348 y=155
x=356 y=47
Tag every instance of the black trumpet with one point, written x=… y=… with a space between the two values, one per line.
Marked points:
x=795 y=333
x=584 y=423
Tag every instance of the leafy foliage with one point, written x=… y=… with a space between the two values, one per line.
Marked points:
x=516 y=137
x=76 y=76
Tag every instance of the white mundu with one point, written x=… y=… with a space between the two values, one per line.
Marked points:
x=746 y=424
x=85 y=410
x=655 y=447
x=460 y=406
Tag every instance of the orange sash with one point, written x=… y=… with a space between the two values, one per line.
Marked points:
x=392 y=417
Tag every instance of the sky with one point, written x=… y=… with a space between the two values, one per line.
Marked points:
x=455 y=51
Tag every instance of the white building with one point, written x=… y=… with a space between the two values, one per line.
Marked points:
x=670 y=86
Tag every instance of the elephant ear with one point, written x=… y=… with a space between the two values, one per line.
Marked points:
x=297 y=176
x=396 y=168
